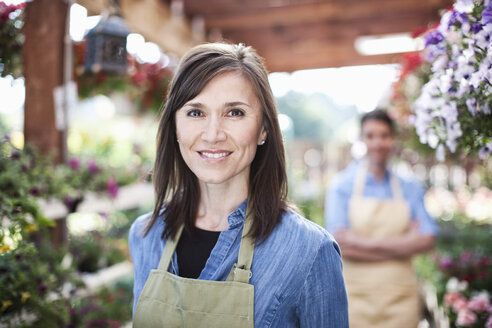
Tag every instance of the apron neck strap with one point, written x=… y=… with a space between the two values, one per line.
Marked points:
x=242 y=270
x=360 y=179
x=395 y=187
x=169 y=249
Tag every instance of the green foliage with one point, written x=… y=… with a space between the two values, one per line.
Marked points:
x=463 y=251
x=312 y=209
x=11 y=39
x=30 y=289
x=93 y=251
x=109 y=307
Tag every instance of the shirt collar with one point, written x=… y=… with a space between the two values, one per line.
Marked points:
x=236 y=218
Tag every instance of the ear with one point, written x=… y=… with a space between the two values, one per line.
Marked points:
x=262 y=136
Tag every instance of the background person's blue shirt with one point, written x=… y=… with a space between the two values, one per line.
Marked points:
x=296 y=272
x=341 y=189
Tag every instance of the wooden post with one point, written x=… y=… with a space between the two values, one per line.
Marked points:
x=44 y=31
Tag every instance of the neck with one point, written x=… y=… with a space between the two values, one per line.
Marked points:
x=216 y=203
x=378 y=170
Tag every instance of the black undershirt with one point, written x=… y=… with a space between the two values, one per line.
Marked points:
x=193 y=251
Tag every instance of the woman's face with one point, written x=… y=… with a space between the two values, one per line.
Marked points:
x=379 y=140
x=218 y=130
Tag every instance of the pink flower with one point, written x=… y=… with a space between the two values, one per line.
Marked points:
x=466 y=318
x=112 y=187
x=74 y=164
x=451 y=297
x=489 y=323
x=92 y=166
x=479 y=303
x=460 y=304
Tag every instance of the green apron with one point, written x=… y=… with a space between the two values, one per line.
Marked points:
x=168 y=300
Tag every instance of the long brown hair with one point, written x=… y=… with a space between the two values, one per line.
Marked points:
x=177 y=189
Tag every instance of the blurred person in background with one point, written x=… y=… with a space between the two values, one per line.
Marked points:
x=380 y=222
x=223 y=247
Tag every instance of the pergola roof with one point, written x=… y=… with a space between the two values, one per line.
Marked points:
x=301 y=34
x=289 y=34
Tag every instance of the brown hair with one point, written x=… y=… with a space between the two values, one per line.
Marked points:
x=379 y=114
x=177 y=189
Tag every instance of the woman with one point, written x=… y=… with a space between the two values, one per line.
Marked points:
x=222 y=248
x=380 y=222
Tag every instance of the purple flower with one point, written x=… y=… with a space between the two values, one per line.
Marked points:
x=74 y=164
x=34 y=191
x=112 y=187
x=15 y=155
x=476 y=27
x=487 y=15
x=42 y=288
x=466 y=257
x=489 y=323
x=485 y=151
x=433 y=37
x=445 y=263
x=92 y=166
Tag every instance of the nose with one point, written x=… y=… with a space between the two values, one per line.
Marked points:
x=213 y=131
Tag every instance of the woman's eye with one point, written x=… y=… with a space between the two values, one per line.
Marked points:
x=194 y=113
x=236 y=112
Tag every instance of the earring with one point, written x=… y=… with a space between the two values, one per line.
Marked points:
x=262 y=143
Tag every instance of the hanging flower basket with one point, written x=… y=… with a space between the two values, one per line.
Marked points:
x=454 y=109
x=144 y=83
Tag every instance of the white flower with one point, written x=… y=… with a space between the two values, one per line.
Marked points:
x=463 y=6
x=486 y=109
x=471 y=104
x=446 y=83
x=464 y=87
x=481 y=39
x=453 y=133
x=440 y=63
x=454 y=285
x=443 y=25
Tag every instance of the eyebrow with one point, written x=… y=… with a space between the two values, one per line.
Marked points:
x=229 y=104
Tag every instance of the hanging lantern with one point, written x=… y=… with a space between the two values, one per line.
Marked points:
x=106 y=46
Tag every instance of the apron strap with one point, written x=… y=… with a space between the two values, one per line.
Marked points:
x=169 y=249
x=360 y=179
x=395 y=187
x=242 y=270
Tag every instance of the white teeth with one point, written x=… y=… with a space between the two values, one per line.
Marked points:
x=215 y=155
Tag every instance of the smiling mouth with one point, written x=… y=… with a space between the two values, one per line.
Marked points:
x=214 y=155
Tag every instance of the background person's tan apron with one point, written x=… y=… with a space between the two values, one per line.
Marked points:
x=380 y=294
x=168 y=300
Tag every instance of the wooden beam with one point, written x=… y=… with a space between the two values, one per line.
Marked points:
x=43 y=71
x=308 y=59
x=152 y=19
x=292 y=36
x=230 y=8
x=319 y=12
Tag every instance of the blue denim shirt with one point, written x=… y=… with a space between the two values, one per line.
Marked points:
x=297 y=271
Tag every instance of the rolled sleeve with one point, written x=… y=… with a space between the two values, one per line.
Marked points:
x=323 y=299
